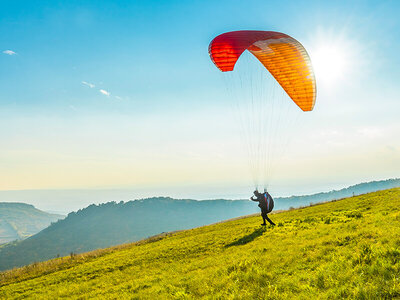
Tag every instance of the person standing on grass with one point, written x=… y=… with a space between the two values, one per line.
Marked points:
x=265 y=203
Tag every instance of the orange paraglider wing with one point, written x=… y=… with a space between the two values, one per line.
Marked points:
x=283 y=56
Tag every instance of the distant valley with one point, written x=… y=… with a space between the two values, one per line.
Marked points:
x=20 y=220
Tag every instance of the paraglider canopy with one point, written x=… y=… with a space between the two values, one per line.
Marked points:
x=283 y=56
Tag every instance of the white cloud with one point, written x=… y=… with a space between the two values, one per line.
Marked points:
x=9 y=52
x=91 y=85
x=104 y=92
x=118 y=97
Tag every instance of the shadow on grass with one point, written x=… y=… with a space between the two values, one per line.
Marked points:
x=247 y=238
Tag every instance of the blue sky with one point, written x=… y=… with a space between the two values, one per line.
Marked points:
x=161 y=119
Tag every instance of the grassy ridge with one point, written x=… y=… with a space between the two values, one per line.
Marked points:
x=346 y=248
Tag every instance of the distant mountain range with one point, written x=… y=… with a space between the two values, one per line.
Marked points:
x=104 y=225
x=20 y=220
x=354 y=190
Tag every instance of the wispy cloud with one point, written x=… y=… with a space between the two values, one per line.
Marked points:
x=9 y=52
x=104 y=92
x=91 y=85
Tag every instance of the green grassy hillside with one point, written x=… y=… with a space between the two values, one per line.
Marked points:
x=346 y=248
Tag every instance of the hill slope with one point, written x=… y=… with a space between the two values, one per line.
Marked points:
x=20 y=220
x=346 y=248
x=105 y=225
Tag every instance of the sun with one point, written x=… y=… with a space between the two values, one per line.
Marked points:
x=332 y=57
x=330 y=64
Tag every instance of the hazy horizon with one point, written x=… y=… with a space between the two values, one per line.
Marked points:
x=68 y=200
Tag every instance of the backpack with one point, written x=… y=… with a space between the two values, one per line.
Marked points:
x=269 y=202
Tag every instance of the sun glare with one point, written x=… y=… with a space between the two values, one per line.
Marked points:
x=334 y=56
x=329 y=64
